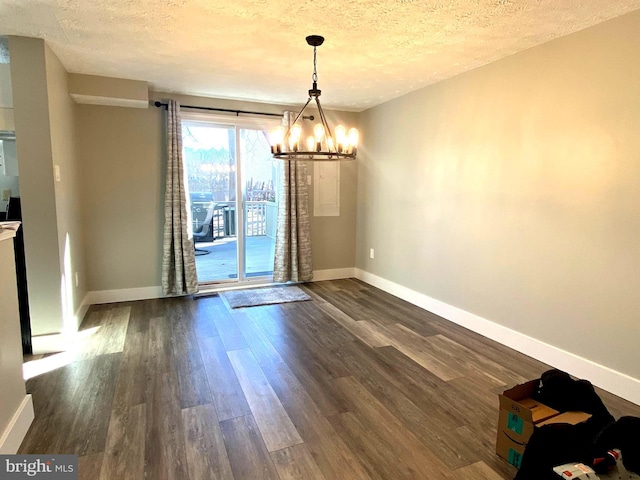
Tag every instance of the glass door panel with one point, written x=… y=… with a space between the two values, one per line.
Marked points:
x=210 y=158
x=260 y=208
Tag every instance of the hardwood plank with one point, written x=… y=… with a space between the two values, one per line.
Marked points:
x=301 y=340
x=374 y=454
x=275 y=425
x=428 y=426
x=480 y=435
x=56 y=404
x=274 y=324
x=231 y=337
x=124 y=452
x=131 y=383
x=417 y=349
x=165 y=456
x=89 y=466
x=364 y=330
x=90 y=334
x=471 y=363
x=324 y=331
x=88 y=432
x=247 y=452
x=223 y=383
x=411 y=456
x=522 y=365
x=114 y=330
x=206 y=454
x=160 y=358
x=192 y=379
x=477 y=471
x=201 y=322
x=332 y=456
x=311 y=371
x=258 y=342
x=296 y=463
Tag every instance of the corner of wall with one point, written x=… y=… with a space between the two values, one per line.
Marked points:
x=15 y=432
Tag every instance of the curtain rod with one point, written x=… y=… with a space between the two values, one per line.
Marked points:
x=237 y=112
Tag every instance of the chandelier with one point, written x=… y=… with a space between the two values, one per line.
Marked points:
x=323 y=145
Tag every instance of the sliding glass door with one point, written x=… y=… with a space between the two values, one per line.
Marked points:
x=232 y=197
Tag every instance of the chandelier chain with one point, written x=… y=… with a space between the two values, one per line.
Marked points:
x=314 y=77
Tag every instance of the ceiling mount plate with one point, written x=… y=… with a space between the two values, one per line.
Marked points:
x=315 y=40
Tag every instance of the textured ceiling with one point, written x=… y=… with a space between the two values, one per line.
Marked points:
x=255 y=49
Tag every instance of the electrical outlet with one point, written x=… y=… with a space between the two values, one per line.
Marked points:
x=6 y=194
x=371 y=253
x=56 y=172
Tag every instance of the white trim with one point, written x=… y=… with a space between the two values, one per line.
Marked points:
x=18 y=427
x=8 y=229
x=53 y=343
x=333 y=274
x=604 y=377
x=82 y=310
x=124 y=295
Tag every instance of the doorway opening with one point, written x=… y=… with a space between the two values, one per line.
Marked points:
x=232 y=197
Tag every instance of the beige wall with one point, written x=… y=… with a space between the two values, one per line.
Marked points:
x=45 y=137
x=35 y=157
x=123 y=190
x=512 y=192
x=121 y=195
x=62 y=114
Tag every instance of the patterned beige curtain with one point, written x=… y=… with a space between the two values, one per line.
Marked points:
x=293 y=235
x=179 y=275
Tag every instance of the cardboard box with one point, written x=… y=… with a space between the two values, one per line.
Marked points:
x=520 y=414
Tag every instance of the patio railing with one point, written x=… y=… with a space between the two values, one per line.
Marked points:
x=261 y=217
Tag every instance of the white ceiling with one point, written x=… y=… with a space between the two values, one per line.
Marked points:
x=256 y=50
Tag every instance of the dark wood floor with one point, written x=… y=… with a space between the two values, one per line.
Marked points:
x=355 y=384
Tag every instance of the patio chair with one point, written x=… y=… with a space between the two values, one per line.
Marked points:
x=205 y=232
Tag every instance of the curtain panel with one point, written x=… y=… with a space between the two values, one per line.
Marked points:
x=179 y=275
x=293 y=235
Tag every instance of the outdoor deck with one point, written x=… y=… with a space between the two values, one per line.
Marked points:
x=221 y=263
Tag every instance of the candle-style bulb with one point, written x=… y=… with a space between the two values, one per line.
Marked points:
x=341 y=137
x=354 y=136
x=318 y=131
x=296 y=132
x=276 y=138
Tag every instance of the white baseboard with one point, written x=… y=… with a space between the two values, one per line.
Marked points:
x=17 y=429
x=124 y=295
x=333 y=274
x=604 y=377
x=52 y=343
x=82 y=310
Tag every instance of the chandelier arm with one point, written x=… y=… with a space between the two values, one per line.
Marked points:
x=327 y=130
x=286 y=135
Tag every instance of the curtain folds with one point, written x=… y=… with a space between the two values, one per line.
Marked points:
x=293 y=236
x=179 y=275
